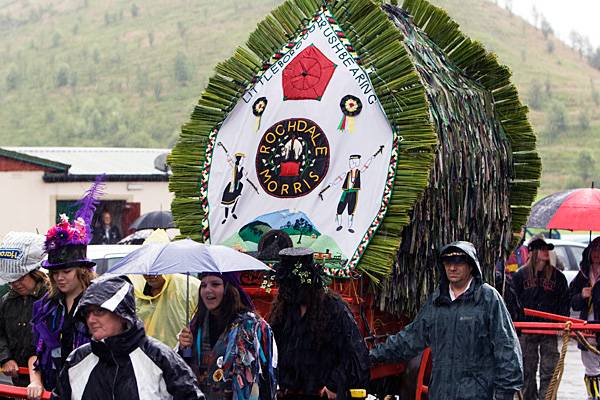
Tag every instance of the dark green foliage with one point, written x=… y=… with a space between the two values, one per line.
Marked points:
x=13 y=78
x=585 y=167
x=62 y=75
x=182 y=68
x=535 y=98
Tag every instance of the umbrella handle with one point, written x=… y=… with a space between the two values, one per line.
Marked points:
x=187 y=351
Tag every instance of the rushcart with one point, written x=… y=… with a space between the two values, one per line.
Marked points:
x=370 y=132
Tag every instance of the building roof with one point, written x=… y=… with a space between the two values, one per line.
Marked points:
x=42 y=162
x=83 y=163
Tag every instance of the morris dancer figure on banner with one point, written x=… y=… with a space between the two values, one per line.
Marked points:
x=233 y=190
x=350 y=188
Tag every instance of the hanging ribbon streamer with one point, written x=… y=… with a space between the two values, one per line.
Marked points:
x=351 y=106
x=258 y=108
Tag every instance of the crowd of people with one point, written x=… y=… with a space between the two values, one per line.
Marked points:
x=88 y=337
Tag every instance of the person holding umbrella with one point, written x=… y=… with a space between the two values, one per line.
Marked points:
x=234 y=354
x=21 y=254
x=162 y=300
x=585 y=298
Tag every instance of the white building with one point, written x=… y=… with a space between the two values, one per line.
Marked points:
x=39 y=183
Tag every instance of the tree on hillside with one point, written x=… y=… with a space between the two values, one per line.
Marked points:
x=62 y=75
x=157 y=90
x=594 y=58
x=135 y=10
x=151 y=39
x=548 y=87
x=13 y=78
x=141 y=80
x=583 y=120
x=182 y=69
x=181 y=29
x=557 y=121
x=535 y=15
x=585 y=166
x=546 y=28
x=56 y=39
x=550 y=47
x=535 y=96
x=595 y=93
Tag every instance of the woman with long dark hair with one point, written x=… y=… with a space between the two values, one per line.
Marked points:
x=321 y=351
x=539 y=285
x=233 y=351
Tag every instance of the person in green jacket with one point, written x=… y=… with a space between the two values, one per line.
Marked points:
x=474 y=347
x=20 y=256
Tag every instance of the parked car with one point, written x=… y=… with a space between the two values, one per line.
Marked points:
x=106 y=255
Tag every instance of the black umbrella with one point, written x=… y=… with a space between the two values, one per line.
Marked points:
x=154 y=220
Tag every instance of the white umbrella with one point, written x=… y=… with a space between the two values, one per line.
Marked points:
x=185 y=256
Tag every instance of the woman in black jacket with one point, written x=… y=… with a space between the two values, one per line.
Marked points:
x=121 y=362
x=20 y=269
x=585 y=298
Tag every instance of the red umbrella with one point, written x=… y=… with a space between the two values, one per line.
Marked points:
x=306 y=77
x=576 y=210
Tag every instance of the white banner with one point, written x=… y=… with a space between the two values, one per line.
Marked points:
x=306 y=150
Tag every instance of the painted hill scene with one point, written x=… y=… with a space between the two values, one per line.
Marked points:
x=296 y=224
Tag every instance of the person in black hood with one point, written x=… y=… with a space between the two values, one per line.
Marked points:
x=539 y=285
x=121 y=362
x=474 y=347
x=321 y=351
x=585 y=298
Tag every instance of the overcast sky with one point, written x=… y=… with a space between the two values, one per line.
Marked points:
x=582 y=16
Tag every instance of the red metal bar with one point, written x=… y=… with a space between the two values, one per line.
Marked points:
x=421 y=387
x=557 y=326
x=385 y=370
x=19 y=392
x=550 y=332
x=550 y=316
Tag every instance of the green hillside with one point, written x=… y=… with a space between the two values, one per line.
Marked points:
x=553 y=80
x=123 y=73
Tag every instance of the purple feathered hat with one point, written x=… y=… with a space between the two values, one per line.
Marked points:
x=66 y=243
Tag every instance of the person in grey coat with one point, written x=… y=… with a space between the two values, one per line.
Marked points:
x=474 y=346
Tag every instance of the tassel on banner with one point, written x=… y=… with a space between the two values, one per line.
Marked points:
x=351 y=106
x=258 y=108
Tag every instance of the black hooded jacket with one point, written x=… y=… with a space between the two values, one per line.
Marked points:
x=128 y=366
x=534 y=291
x=474 y=348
